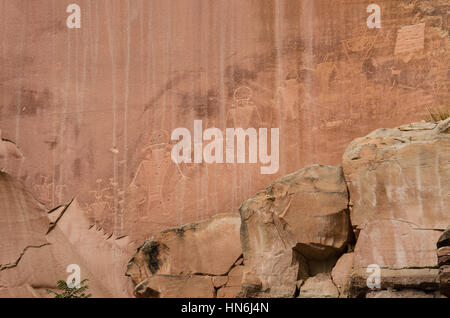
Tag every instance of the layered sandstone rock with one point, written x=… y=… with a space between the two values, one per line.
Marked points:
x=443 y=254
x=92 y=109
x=406 y=293
x=91 y=115
x=201 y=259
x=294 y=229
x=38 y=246
x=399 y=183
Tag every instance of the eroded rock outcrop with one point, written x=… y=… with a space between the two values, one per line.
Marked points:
x=201 y=259
x=296 y=228
x=38 y=245
x=399 y=183
x=84 y=110
x=294 y=239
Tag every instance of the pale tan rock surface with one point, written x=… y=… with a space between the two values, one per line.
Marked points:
x=407 y=293
x=395 y=245
x=341 y=274
x=166 y=286
x=399 y=183
x=298 y=221
x=319 y=286
x=401 y=174
x=23 y=221
x=206 y=254
x=420 y=279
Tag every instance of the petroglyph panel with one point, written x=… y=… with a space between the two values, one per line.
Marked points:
x=410 y=39
x=91 y=110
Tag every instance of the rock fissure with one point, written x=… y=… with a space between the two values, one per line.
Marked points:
x=9 y=266
x=54 y=223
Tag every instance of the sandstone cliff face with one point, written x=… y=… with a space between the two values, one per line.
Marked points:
x=318 y=231
x=38 y=245
x=92 y=109
x=88 y=113
x=304 y=236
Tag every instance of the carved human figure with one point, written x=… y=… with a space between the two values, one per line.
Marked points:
x=152 y=190
x=243 y=113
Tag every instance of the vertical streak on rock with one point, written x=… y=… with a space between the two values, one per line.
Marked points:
x=109 y=17
x=2 y=59
x=278 y=41
x=439 y=186
x=419 y=188
x=62 y=122
x=150 y=72
x=96 y=39
x=125 y=113
x=53 y=109
x=22 y=73
x=307 y=13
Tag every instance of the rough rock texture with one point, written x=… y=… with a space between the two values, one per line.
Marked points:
x=406 y=293
x=295 y=228
x=204 y=257
x=443 y=254
x=88 y=113
x=319 y=286
x=38 y=245
x=402 y=174
x=341 y=274
x=92 y=109
x=178 y=286
x=399 y=183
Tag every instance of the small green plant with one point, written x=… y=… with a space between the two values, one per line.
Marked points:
x=67 y=292
x=438 y=114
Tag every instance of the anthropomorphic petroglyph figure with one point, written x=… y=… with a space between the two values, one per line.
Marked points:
x=44 y=190
x=154 y=183
x=289 y=98
x=243 y=113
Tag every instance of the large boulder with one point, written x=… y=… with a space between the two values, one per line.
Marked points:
x=402 y=174
x=294 y=229
x=204 y=255
x=399 y=183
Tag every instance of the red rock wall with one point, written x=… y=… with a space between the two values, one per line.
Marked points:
x=92 y=109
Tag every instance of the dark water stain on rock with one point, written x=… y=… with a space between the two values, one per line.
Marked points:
x=31 y=102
